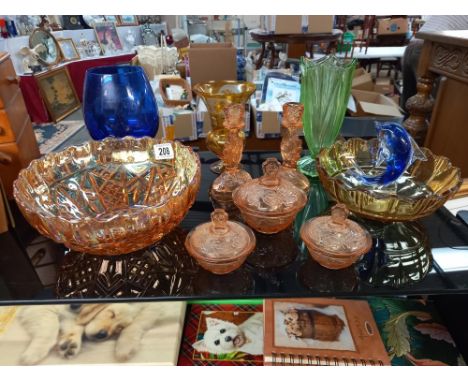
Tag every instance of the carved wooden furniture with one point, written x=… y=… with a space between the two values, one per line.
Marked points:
x=18 y=144
x=444 y=54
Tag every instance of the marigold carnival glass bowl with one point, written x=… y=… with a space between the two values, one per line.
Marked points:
x=420 y=190
x=335 y=242
x=109 y=197
x=220 y=246
x=270 y=203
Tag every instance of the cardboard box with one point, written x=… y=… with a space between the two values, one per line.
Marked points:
x=396 y=99
x=365 y=103
x=320 y=24
x=267 y=124
x=383 y=86
x=284 y=24
x=392 y=26
x=364 y=127
x=176 y=124
x=362 y=80
x=212 y=62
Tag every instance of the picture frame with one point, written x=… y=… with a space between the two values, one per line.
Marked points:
x=58 y=93
x=128 y=20
x=148 y=36
x=107 y=37
x=280 y=88
x=68 y=49
x=49 y=55
x=112 y=18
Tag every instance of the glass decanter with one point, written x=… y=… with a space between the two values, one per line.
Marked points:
x=325 y=90
x=220 y=246
x=233 y=175
x=291 y=145
x=336 y=242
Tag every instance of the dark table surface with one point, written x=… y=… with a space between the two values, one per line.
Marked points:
x=279 y=266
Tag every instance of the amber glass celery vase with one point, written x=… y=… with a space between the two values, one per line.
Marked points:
x=217 y=95
x=325 y=89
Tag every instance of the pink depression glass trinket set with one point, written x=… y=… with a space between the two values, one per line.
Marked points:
x=270 y=203
x=232 y=175
x=220 y=246
x=335 y=242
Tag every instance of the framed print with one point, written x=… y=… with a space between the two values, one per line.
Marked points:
x=58 y=93
x=279 y=88
x=49 y=53
x=148 y=36
x=149 y=19
x=128 y=20
x=91 y=20
x=107 y=37
x=112 y=18
x=68 y=49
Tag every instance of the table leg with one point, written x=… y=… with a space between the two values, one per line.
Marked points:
x=259 y=62
x=271 y=47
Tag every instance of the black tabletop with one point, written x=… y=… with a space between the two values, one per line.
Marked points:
x=429 y=256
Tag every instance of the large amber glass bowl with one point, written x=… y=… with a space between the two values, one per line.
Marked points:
x=109 y=197
x=421 y=190
x=217 y=95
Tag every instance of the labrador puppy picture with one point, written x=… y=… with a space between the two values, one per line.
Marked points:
x=91 y=333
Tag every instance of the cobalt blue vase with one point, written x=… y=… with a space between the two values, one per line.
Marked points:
x=119 y=101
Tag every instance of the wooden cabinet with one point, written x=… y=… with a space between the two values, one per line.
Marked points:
x=18 y=144
x=444 y=55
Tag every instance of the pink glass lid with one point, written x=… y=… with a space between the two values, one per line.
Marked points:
x=270 y=194
x=336 y=233
x=220 y=239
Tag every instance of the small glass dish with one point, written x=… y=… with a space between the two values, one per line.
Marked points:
x=335 y=242
x=270 y=203
x=220 y=246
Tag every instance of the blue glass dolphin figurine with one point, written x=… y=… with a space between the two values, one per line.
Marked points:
x=397 y=150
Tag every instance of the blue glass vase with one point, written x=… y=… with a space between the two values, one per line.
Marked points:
x=118 y=101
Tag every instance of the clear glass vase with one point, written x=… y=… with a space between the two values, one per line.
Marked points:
x=325 y=90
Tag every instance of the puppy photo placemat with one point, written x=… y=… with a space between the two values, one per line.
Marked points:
x=223 y=335
x=135 y=333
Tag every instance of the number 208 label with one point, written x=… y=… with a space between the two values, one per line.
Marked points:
x=164 y=151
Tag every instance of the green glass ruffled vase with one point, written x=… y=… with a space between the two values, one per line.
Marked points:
x=325 y=90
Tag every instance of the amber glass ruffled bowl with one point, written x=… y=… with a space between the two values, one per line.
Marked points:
x=109 y=197
x=424 y=187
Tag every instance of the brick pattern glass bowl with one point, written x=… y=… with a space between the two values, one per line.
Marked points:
x=423 y=188
x=109 y=197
